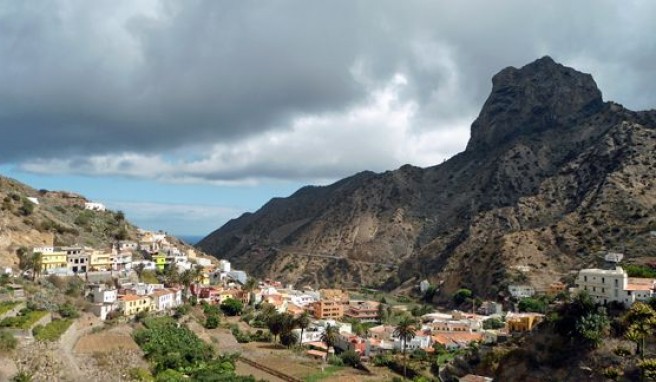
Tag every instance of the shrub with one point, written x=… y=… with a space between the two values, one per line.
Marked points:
x=612 y=372
x=210 y=310
x=7 y=341
x=232 y=307
x=68 y=310
x=350 y=358
x=212 y=321
x=530 y=304
x=493 y=323
x=462 y=296
x=140 y=375
x=170 y=376
x=335 y=360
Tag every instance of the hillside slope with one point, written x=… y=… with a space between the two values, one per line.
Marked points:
x=551 y=175
x=59 y=218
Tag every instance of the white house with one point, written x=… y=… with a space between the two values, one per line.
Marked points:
x=423 y=286
x=33 y=200
x=102 y=310
x=203 y=262
x=606 y=285
x=148 y=265
x=224 y=266
x=521 y=291
x=105 y=296
x=94 y=206
x=165 y=299
x=420 y=341
x=613 y=257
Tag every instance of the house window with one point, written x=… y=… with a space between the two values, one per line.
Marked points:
x=603 y=280
x=616 y=281
x=585 y=278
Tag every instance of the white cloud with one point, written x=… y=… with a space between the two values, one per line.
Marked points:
x=178 y=218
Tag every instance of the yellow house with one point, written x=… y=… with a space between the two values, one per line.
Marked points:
x=204 y=278
x=523 y=322
x=53 y=260
x=100 y=261
x=132 y=304
x=160 y=261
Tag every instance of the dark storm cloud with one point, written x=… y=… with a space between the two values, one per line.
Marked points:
x=101 y=78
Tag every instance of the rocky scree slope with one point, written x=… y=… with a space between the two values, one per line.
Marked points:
x=552 y=175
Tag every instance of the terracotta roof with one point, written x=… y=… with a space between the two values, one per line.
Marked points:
x=318 y=344
x=131 y=297
x=635 y=287
x=453 y=337
x=316 y=353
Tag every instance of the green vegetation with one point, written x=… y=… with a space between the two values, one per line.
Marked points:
x=7 y=341
x=493 y=323
x=462 y=296
x=177 y=354
x=212 y=321
x=634 y=270
x=68 y=310
x=530 y=304
x=327 y=372
x=52 y=331
x=25 y=319
x=582 y=320
x=6 y=306
x=232 y=307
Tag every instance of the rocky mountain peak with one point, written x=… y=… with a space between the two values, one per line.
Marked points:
x=541 y=95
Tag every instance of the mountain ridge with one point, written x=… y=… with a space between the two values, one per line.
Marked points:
x=542 y=147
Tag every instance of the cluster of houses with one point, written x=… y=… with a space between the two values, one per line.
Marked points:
x=334 y=307
x=132 y=298
x=157 y=252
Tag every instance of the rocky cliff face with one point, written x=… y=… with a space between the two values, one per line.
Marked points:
x=551 y=176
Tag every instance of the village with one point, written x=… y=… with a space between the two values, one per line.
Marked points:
x=367 y=329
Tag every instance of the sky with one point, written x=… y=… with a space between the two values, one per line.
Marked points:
x=185 y=114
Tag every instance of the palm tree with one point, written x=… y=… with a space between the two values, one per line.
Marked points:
x=329 y=336
x=405 y=331
x=139 y=270
x=248 y=288
x=186 y=278
x=37 y=263
x=303 y=321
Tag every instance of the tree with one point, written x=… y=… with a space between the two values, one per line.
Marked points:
x=232 y=307
x=461 y=296
x=139 y=270
x=275 y=324
x=493 y=323
x=641 y=321
x=303 y=322
x=405 y=331
x=37 y=263
x=329 y=336
x=249 y=287
x=529 y=304
x=382 y=312
x=186 y=278
x=288 y=338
